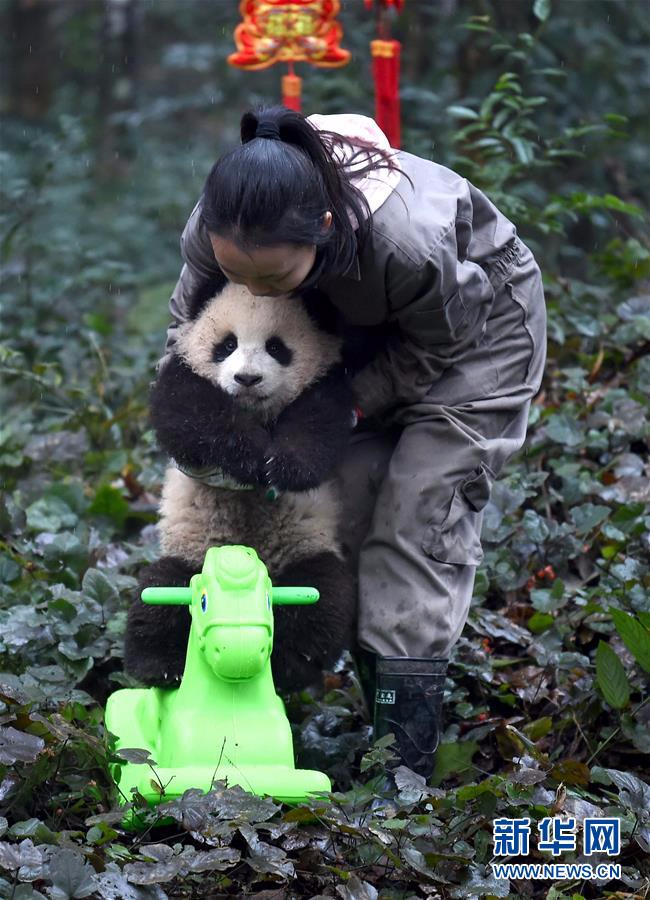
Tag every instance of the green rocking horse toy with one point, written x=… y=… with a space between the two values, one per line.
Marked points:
x=225 y=720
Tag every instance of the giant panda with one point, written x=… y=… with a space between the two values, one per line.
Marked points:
x=256 y=394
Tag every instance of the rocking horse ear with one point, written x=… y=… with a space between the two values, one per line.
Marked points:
x=168 y=596
x=294 y=596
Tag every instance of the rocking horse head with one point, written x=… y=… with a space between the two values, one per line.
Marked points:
x=231 y=605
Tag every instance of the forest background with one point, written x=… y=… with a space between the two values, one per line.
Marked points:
x=112 y=114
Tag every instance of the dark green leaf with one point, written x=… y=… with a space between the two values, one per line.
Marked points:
x=25 y=859
x=72 y=877
x=222 y=858
x=112 y=885
x=539 y=622
x=35 y=829
x=99 y=588
x=50 y=514
x=587 y=516
x=264 y=858
x=9 y=570
x=462 y=112
x=481 y=883
x=110 y=502
x=542 y=9
x=18 y=746
x=564 y=429
x=235 y=804
x=644 y=618
x=154 y=873
x=137 y=756
x=635 y=793
x=635 y=637
x=611 y=677
x=412 y=787
x=452 y=759
x=356 y=889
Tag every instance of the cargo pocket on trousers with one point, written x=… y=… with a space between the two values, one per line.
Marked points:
x=519 y=297
x=457 y=539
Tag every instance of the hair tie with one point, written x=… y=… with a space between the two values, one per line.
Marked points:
x=269 y=130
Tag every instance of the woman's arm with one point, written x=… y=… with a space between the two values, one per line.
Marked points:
x=440 y=308
x=200 y=268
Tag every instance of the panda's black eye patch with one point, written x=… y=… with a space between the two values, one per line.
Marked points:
x=276 y=348
x=224 y=348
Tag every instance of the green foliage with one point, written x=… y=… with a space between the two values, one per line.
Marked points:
x=611 y=677
x=635 y=637
x=500 y=149
x=547 y=699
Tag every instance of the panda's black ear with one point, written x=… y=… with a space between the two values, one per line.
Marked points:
x=321 y=310
x=203 y=291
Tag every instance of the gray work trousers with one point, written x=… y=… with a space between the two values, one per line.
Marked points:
x=413 y=490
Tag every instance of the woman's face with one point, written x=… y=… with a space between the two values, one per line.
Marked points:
x=265 y=271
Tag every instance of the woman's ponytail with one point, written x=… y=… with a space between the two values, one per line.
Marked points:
x=277 y=187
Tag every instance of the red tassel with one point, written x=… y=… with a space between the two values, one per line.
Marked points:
x=385 y=70
x=291 y=91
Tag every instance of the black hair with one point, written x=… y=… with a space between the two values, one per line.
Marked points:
x=277 y=186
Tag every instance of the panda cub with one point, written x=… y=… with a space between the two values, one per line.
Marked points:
x=255 y=396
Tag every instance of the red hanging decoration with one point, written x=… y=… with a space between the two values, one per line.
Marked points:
x=385 y=70
x=291 y=90
x=385 y=54
x=288 y=31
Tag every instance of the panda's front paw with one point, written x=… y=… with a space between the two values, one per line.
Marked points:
x=152 y=668
x=270 y=474
x=287 y=474
x=240 y=451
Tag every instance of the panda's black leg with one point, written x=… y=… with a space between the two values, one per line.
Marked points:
x=156 y=636
x=309 y=639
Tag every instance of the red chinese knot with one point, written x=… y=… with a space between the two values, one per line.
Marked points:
x=288 y=31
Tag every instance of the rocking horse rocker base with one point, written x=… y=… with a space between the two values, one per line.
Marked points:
x=224 y=722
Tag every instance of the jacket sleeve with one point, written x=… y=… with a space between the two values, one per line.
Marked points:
x=199 y=265
x=440 y=309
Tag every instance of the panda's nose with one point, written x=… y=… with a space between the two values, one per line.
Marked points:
x=246 y=379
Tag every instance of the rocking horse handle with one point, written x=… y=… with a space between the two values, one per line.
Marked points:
x=180 y=596
x=167 y=596
x=293 y=596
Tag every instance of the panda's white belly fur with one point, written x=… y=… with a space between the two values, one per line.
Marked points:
x=195 y=516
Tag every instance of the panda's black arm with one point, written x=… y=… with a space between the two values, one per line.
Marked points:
x=310 y=436
x=200 y=425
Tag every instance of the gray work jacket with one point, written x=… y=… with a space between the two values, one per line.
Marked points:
x=425 y=270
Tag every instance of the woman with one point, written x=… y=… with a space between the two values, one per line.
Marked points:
x=444 y=311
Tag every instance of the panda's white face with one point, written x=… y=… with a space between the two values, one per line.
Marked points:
x=262 y=350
